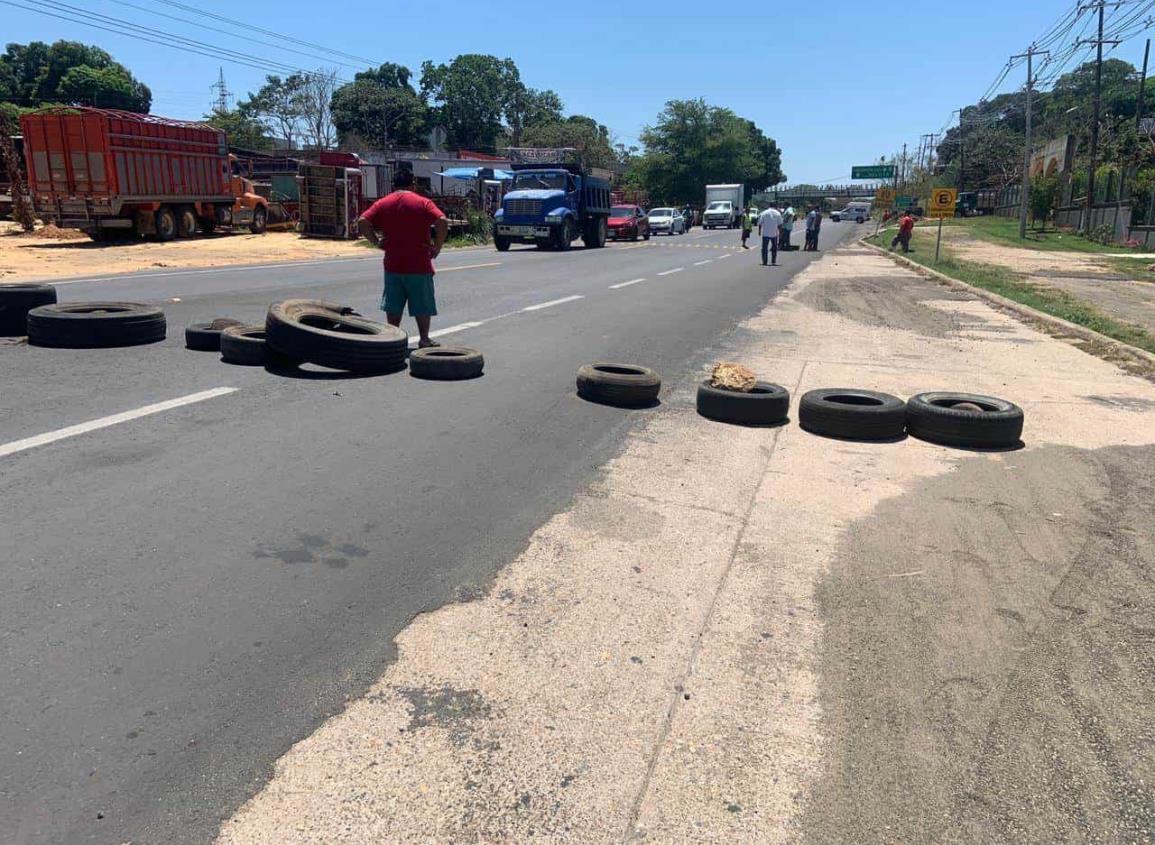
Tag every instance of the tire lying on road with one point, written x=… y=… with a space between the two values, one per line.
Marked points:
x=331 y=335
x=244 y=345
x=206 y=337
x=446 y=363
x=766 y=404
x=92 y=325
x=964 y=419
x=852 y=414
x=15 y=303
x=626 y=385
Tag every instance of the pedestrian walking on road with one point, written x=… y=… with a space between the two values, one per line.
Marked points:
x=905 y=230
x=747 y=224
x=787 y=227
x=813 y=225
x=400 y=224
x=769 y=223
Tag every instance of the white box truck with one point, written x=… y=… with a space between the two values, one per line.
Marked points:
x=724 y=204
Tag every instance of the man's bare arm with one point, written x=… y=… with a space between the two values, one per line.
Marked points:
x=440 y=233
x=365 y=229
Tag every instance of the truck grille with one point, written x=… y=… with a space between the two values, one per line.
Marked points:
x=523 y=208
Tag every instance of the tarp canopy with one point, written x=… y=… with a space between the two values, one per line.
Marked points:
x=474 y=173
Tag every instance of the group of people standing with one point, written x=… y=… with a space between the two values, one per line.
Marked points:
x=775 y=228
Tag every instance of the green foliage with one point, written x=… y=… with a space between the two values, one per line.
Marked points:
x=380 y=108
x=578 y=131
x=244 y=130
x=1101 y=234
x=279 y=106
x=529 y=107
x=1044 y=196
x=71 y=73
x=694 y=144
x=471 y=95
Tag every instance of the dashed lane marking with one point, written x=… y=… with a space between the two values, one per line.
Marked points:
x=553 y=302
x=626 y=284
x=460 y=327
x=668 y=272
x=700 y=263
x=104 y=422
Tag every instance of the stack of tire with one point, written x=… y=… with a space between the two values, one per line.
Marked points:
x=333 y=336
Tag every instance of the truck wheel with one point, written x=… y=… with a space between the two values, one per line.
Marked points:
x=565 y=235
x=165 y=224
x=187 y=224
x=260 y=219
x=209 y=225
x=600 y=233
x=501 y=243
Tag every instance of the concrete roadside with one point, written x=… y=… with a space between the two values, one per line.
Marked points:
x=755 y=635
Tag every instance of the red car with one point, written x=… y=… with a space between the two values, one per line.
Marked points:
x=628 y=221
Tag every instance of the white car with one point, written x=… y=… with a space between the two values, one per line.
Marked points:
x=857 y=212
x=668 y=220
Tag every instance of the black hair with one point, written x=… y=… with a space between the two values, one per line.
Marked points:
x=403 y=178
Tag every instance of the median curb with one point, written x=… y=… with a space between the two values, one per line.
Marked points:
x=1056 y=326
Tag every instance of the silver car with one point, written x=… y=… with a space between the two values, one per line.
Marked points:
x=668 y=220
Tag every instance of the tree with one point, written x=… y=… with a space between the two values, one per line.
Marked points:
x=529 y=107
x=472 y=94
x=577 y=131
x=244 y=130
x=381 y=108
x=694 y=144
x=108 y=88
x=22 y=211
x=36 y=73
x=280 y=106
x=316 y=96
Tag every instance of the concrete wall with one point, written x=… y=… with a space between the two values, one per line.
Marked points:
x=1114 y=214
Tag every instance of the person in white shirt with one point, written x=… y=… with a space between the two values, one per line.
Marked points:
x=768 y=223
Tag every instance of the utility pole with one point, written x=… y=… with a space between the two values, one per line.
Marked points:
x=1025 y=192
x=1142 y=86
x=222 y=104
x=962 y=151
x=904 y=165
x=930 y=150
x=1098 y=42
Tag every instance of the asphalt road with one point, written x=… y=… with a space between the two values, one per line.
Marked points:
x=190 y=592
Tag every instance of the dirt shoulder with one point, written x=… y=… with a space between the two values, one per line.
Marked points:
x=760 y=635
x=35 y=257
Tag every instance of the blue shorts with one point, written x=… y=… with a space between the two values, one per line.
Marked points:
x=414 y=288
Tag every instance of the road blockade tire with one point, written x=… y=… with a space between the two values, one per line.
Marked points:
x=15 y=303
x=766 y=404
x=331 y=335
x=244 y=345
x=934 y=417
x=446 y=363
x=625 y=385
x=94 y=325
x=852 y=414
x=206 y=337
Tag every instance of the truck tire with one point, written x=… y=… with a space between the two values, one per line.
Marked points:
x=624 y=385
x=244 y=345
x=331 y=335
x=187 y=223
x=260 y=220
x=935 y=417
x=766 y=404
x=446 y=363
x=852 y=414
x=601 y=233
x=95 y=325
x=206 y=337
x=15 y=303
x=595 y=234
x=564 y=237
x=502 y=243
x=165 y=223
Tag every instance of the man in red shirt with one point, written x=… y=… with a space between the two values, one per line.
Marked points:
x=905 y=230
x=399 y=224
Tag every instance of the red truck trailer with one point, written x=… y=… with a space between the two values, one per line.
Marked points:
x=112 y=172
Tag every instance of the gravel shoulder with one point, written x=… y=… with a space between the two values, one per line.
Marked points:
x=758 y=635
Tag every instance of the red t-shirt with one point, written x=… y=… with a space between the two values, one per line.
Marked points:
x=907 y=225
x=404 y=218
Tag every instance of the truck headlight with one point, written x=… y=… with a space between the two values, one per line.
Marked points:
x=557 y=214
x=500 y=213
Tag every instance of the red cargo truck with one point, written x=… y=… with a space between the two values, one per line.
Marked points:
x=111 y=172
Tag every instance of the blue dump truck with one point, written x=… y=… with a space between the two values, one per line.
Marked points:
x=554 y=199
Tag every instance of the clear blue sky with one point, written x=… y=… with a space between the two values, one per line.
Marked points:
x=835 y=83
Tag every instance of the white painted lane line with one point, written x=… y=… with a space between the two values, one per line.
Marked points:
x=460 y=327
x=700 y=263
x=668 y=272
x=727 y=255
x=104 y=422
x=553 y=302
x=626 y=284
x=469 y=267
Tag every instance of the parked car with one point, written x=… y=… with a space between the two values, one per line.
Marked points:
x=859 y=212
x=628 y=221
x=668 y=220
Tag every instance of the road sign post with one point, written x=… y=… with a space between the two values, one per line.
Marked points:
x=942 y=205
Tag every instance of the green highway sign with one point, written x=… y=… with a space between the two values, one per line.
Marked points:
x=872 y=171
x=903 y=202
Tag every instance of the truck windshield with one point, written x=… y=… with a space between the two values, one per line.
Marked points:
x=719 y=206
x=530 y=181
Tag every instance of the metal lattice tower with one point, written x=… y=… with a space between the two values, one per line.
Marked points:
x=223 y=92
